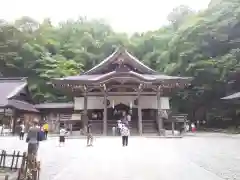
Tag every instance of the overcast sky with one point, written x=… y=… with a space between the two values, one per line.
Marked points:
x=123 y=15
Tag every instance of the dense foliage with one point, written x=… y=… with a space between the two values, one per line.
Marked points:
x=203 y=44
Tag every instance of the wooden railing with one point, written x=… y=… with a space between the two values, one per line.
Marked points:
x=28 y=167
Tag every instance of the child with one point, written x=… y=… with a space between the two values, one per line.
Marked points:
x=62 y=135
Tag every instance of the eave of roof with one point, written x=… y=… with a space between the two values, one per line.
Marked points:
x=21 y=105
x=88 y=79
x=232 y=96
x=69 y=105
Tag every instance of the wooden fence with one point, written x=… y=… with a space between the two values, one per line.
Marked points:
x=11 y=161
x=27 y=166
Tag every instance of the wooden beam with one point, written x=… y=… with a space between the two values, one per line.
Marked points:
x=85 y=111
x=123 y=86
x=121 y=94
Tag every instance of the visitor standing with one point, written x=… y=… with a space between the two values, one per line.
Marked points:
x=1 y=129
x=129 y=117
x=45 y=130
x=187 y=127
x=124 y=119
x=119 y=126
x=62 y=135
x=22 y=131
x=89 y=134
x=33 y=138
x=193 y=127
x=125 y=132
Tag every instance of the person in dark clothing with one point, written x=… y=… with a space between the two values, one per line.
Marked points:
x=181 y=129
x=33 y=139
x=89 y=134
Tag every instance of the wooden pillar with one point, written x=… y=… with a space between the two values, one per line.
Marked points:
x=85 y=112
x=159 y=116
x=15 y=117
x=57 y=127
x=105 y=114
x=139 y=113
x=173 y=127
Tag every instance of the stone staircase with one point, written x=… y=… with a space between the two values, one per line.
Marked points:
x=149 y=127
x=65 y=117
x=110 y=125
x=97 y=126
x=134 y=127
x=113 y=123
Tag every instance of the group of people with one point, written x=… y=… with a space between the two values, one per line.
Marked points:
x=122 y=127
x=43 y=133
x=191 y=127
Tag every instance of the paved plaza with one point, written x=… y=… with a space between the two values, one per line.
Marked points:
x=188 y=158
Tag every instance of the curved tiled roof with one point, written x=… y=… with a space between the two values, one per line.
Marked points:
x=121 y=65
x=120 y=52
x=11 y=87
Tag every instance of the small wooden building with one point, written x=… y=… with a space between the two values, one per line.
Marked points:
x=59 y=114
x=16 y=103
x=121 y=83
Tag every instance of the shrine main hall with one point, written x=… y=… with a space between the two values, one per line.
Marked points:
x=119 y=83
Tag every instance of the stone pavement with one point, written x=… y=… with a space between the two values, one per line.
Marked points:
x=198 y=158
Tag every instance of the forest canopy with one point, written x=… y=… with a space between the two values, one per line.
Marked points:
x=204 y=45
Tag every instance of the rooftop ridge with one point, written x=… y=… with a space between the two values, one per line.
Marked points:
x=13 y=78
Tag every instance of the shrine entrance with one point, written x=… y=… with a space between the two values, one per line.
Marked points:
x=120 y=110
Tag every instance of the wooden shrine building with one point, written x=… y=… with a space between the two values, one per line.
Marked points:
x=121 y=83
x=15 y=103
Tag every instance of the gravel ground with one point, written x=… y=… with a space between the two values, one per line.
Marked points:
x=203 y=157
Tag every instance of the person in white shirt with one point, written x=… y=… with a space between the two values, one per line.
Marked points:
x=187 y=127
x=119 y=126
x=62 y=134
x=128 y=117
x=22 y=131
